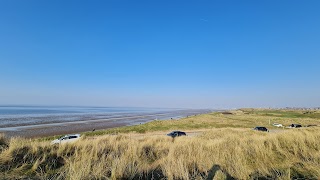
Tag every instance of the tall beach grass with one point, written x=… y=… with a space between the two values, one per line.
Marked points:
x=223 y=153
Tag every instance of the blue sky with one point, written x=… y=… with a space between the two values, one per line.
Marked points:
x=164 y=53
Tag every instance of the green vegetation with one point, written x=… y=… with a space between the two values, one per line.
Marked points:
x=284 y=113
x=227 y=148
x=244 y=118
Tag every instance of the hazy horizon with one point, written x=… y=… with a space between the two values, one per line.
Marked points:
x=169 y=54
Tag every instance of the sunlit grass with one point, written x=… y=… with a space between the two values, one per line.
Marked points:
x=227 y=148
x=237 y=119
x=239 y=153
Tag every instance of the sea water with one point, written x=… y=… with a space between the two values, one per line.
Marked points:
x=12 y=116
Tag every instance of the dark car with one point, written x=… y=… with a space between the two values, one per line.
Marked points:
x=295 y=126
x=258 y=128
x=176 y=134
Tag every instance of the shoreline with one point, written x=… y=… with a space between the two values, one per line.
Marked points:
x=71 y=127
x=60 y=130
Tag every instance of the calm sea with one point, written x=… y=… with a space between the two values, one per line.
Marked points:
x=11 y=116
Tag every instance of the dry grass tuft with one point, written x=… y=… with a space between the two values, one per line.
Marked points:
x=218 y=153
x=3 y=142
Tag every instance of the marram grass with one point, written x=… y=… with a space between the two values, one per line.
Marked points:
x=220 y=153
x=228 y=149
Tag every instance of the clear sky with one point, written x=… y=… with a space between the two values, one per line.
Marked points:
x=160 y=53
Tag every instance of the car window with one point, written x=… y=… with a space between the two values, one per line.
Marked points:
x=73 y=137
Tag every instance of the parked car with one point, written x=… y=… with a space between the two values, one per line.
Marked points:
x=259 y=128
x=295 y=126
x=66 y=139
x=176 y=134
x=277 y=125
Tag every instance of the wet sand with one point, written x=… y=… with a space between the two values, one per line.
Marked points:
x=49 y=129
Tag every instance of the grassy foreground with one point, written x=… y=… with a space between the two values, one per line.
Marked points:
x=227 y=150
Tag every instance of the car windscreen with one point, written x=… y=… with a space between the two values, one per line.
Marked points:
x=73 y=137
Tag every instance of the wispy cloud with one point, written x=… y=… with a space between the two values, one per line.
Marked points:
x=205 y=20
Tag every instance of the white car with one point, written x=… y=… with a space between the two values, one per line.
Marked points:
x=277 y=125
x=66 y=139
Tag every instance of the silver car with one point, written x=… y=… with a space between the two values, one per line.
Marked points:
x=66 y=139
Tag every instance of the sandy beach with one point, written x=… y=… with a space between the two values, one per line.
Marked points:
x=68 y=127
